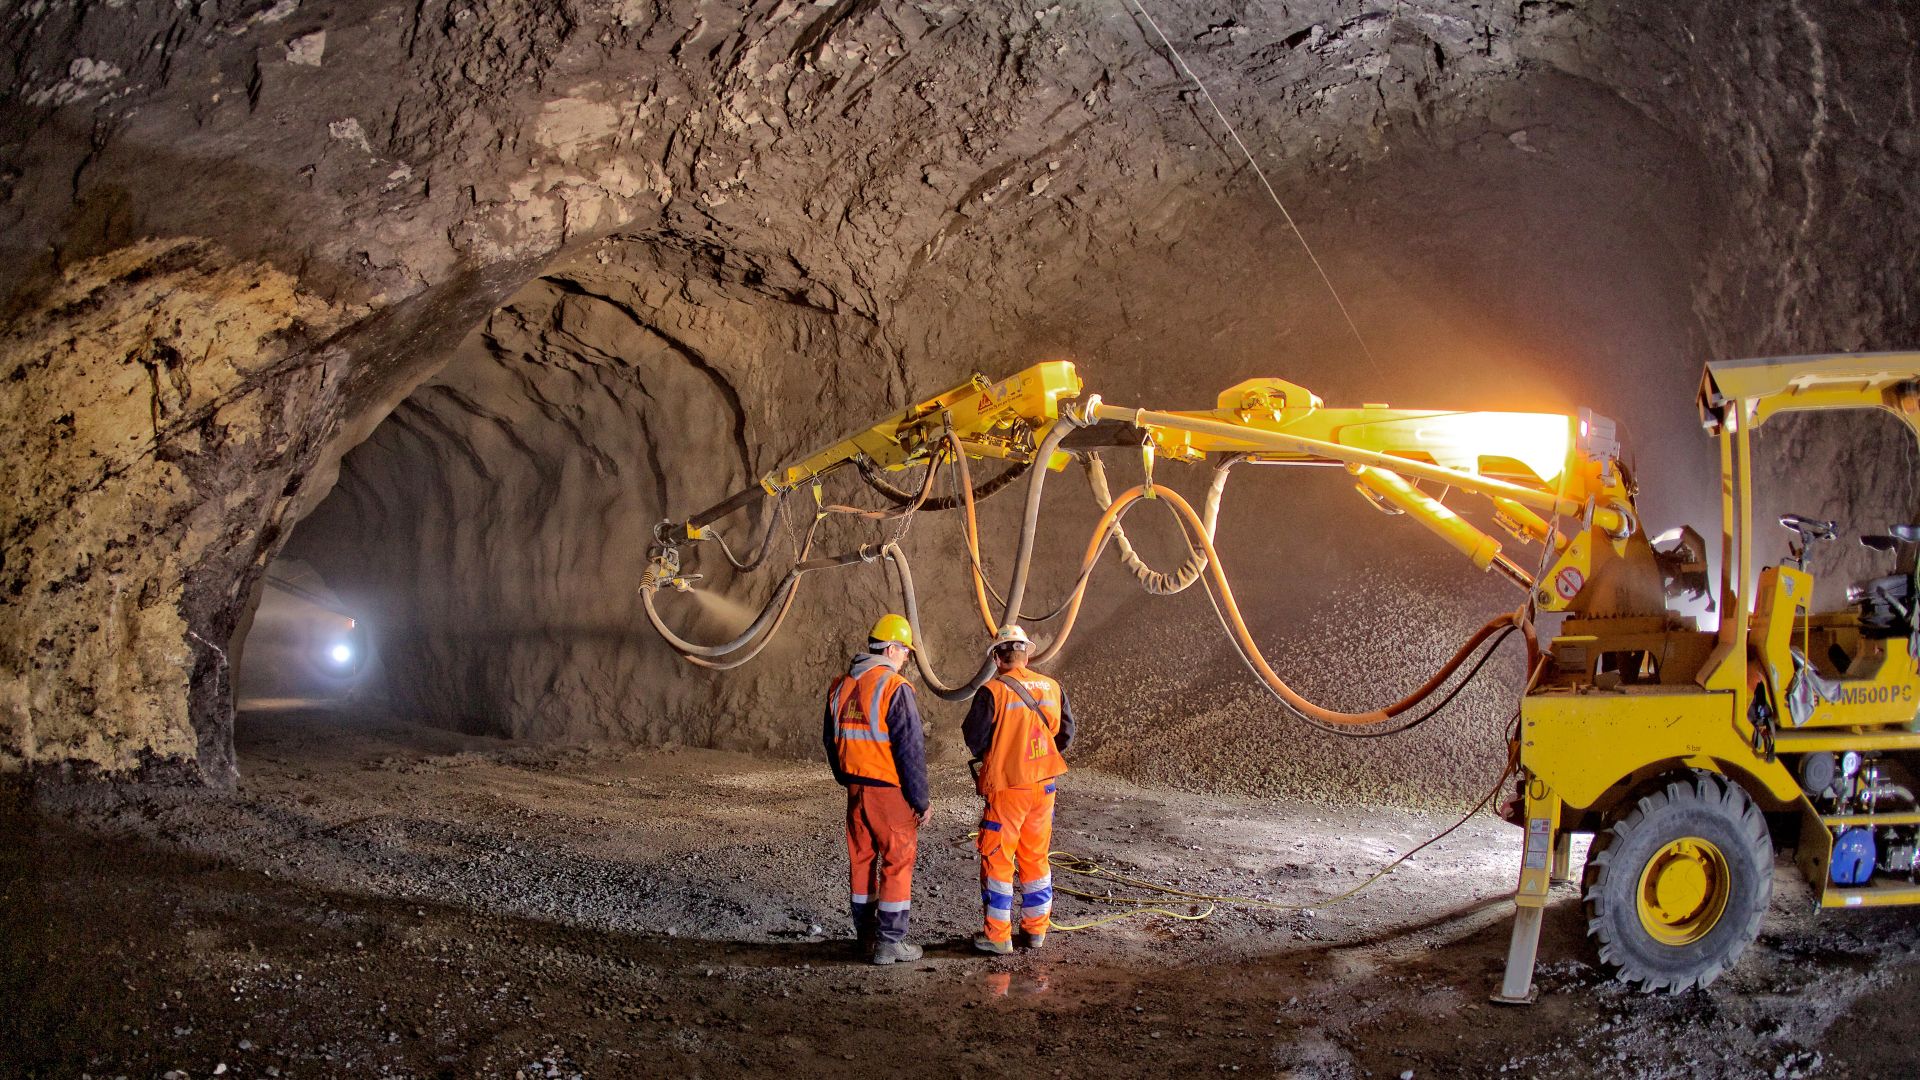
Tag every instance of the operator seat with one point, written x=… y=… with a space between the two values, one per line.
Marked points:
x=1886 y=603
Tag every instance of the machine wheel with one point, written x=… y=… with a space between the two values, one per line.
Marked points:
x=1675 y=889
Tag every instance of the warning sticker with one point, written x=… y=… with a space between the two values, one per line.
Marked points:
x=1539 y=842
x=1568 y=582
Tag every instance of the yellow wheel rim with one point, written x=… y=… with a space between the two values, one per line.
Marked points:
x=1683 y=891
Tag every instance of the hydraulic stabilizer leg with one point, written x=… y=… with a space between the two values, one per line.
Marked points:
x=1538 y=861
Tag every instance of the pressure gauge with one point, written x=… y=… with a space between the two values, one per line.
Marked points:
x=1849 y=763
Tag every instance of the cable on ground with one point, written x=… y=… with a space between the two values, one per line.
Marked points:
x=1068 y=862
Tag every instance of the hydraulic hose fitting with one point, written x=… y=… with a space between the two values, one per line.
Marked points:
x=672 y=533
x=1628 y=523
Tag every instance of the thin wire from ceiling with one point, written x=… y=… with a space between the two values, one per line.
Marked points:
x=1181 y=62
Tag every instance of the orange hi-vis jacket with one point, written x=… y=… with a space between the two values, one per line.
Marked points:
x=1024 y=749
x=862 y=742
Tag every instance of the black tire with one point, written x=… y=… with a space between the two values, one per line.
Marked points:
x=1698 y=826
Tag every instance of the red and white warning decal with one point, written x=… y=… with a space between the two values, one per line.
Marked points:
x=1568 y=582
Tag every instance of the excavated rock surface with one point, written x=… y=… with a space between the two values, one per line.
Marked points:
x=249 y=230
x=164 y=353
x=385 y=898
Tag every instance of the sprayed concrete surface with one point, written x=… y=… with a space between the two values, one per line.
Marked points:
x=379 y=898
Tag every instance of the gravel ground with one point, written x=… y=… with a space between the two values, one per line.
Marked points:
x=384 y=899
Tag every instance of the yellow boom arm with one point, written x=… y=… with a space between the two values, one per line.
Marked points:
x=1532 y=466
x=1526 y=463
x=1004 y=419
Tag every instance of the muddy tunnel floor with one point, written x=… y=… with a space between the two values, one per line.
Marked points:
x=381 y=898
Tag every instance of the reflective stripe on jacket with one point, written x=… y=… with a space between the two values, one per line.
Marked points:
x=1024 y=749
x=863 y=744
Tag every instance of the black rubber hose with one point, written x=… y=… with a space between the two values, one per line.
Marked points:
x=768 y=614
x=766 y=542
x=986 y=489
x=911 y=599
x=1030 y=522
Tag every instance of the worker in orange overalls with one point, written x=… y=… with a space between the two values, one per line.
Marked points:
x=1017 y=728
x=875 y=744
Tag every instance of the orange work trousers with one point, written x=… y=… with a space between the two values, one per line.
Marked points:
x=1015 y=832
x=882 y=841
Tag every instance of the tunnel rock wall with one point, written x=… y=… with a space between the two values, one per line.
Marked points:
x=155 y=417
x=492 y=531
x=414 y=164
x=838 y=205
x=1122 y=247
x=1807 y=115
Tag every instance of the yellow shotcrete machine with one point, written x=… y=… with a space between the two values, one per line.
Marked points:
x=1689 y=754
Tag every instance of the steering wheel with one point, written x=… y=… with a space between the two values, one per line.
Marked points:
x=1808 y=528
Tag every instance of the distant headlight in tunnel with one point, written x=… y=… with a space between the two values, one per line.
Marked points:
x=342 y=657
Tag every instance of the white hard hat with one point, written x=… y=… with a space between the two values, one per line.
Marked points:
x=1011 y=634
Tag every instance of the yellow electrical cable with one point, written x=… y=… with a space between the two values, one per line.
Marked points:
x=1106 y=920
x=1075 y=864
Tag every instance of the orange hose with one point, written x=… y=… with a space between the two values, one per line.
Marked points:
x=1095 y=544
x=973 y=533
x=1245 y=637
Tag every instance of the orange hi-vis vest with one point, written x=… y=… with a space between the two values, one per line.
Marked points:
x=1023 y=751
x=861 y=737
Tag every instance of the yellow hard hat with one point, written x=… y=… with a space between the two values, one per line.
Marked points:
x=892 y=628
